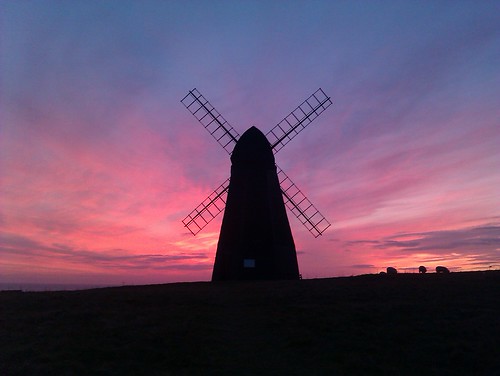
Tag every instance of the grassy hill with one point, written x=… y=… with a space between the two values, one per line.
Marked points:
x=407 y=324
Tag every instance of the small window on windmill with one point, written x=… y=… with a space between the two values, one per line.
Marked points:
x=249 y=263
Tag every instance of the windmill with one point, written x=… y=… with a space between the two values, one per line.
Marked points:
x=255 y=240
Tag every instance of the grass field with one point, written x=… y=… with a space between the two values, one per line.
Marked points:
x=407 y=324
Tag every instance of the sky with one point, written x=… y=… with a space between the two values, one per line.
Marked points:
x=100 y=161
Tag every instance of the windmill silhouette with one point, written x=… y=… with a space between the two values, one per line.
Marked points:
x=255 y=240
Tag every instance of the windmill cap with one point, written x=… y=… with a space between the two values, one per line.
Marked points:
x=253 y=148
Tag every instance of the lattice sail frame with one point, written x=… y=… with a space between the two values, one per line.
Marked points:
x=298 y=119
x=210 y=208
x=211 y=119
x=278 y=137
x=300 y=206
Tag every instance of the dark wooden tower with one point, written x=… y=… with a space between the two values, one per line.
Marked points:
x=255 y=241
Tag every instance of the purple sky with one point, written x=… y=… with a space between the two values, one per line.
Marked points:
x=99 y=160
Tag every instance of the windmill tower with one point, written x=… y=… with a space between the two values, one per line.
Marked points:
x=255 y=240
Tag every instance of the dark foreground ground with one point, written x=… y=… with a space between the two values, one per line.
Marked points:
x=407 y=324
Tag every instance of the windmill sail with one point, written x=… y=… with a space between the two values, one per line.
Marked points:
x=211 y=119
x=298 y=119
x=204 y=213
x=301 y=207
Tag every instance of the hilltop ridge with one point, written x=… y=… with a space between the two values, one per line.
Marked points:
x=371 y=324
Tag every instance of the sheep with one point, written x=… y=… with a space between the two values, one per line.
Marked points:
x=422 y=269
x=391 y=270
x=442 y=269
